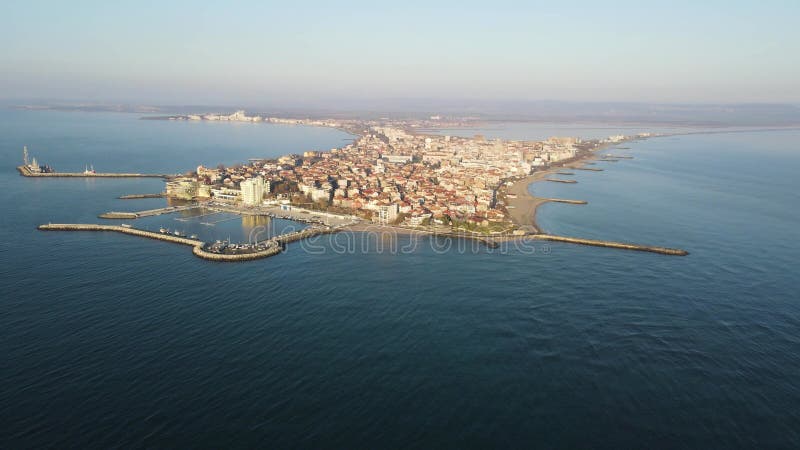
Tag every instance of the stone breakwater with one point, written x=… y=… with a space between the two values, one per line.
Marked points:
x=303 y=234
x=274 y=245
x=200 y=252
x=137 y=196
x=146 y=213
x=564 y=200
x=118 y=215
x=119 y=229
x=611 y=244
x=26 y=172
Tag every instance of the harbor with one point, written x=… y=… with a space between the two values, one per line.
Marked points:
x=217 y=251
x=217 y=212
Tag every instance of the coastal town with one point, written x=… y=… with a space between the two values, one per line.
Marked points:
x=389 y=175
x=396 y=175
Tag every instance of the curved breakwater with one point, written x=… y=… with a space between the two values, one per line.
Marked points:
x=273 y=245
x=200 y=252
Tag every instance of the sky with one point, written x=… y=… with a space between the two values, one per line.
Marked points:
x=198 y=52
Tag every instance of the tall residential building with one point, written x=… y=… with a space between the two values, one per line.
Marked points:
x=386 y=214
x=252 y=191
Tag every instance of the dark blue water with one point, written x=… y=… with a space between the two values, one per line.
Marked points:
x=110 y=340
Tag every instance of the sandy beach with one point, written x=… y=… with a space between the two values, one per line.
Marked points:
x=523 y=208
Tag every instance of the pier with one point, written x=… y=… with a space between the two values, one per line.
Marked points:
x=556 y=180
x=119 y=229
x=213 y=223
x=611 y=244
x=590 y=169
x=145 y=213
x=565 y=173
x=564 y=200
x=137 y=196
x=26 y=172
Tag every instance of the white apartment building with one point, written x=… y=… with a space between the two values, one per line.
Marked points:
x=252 y=191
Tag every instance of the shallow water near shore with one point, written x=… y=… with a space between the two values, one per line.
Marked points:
x=111 y=340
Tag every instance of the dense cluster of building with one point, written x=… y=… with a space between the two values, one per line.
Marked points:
x=389 y=175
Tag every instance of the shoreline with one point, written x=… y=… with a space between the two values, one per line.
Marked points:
x=523 y=208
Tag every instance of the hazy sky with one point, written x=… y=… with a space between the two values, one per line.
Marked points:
x=259 y=51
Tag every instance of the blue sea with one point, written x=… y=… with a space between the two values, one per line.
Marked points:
x=110 y=340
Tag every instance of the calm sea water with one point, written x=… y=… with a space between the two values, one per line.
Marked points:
x=540 y=131
x=109 y=340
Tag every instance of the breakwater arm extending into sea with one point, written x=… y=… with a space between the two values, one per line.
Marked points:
x=26 y=172
x=612 y=244
x=139 y=196
x=270 y=247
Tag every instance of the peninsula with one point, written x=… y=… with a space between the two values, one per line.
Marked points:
x=395 y=177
